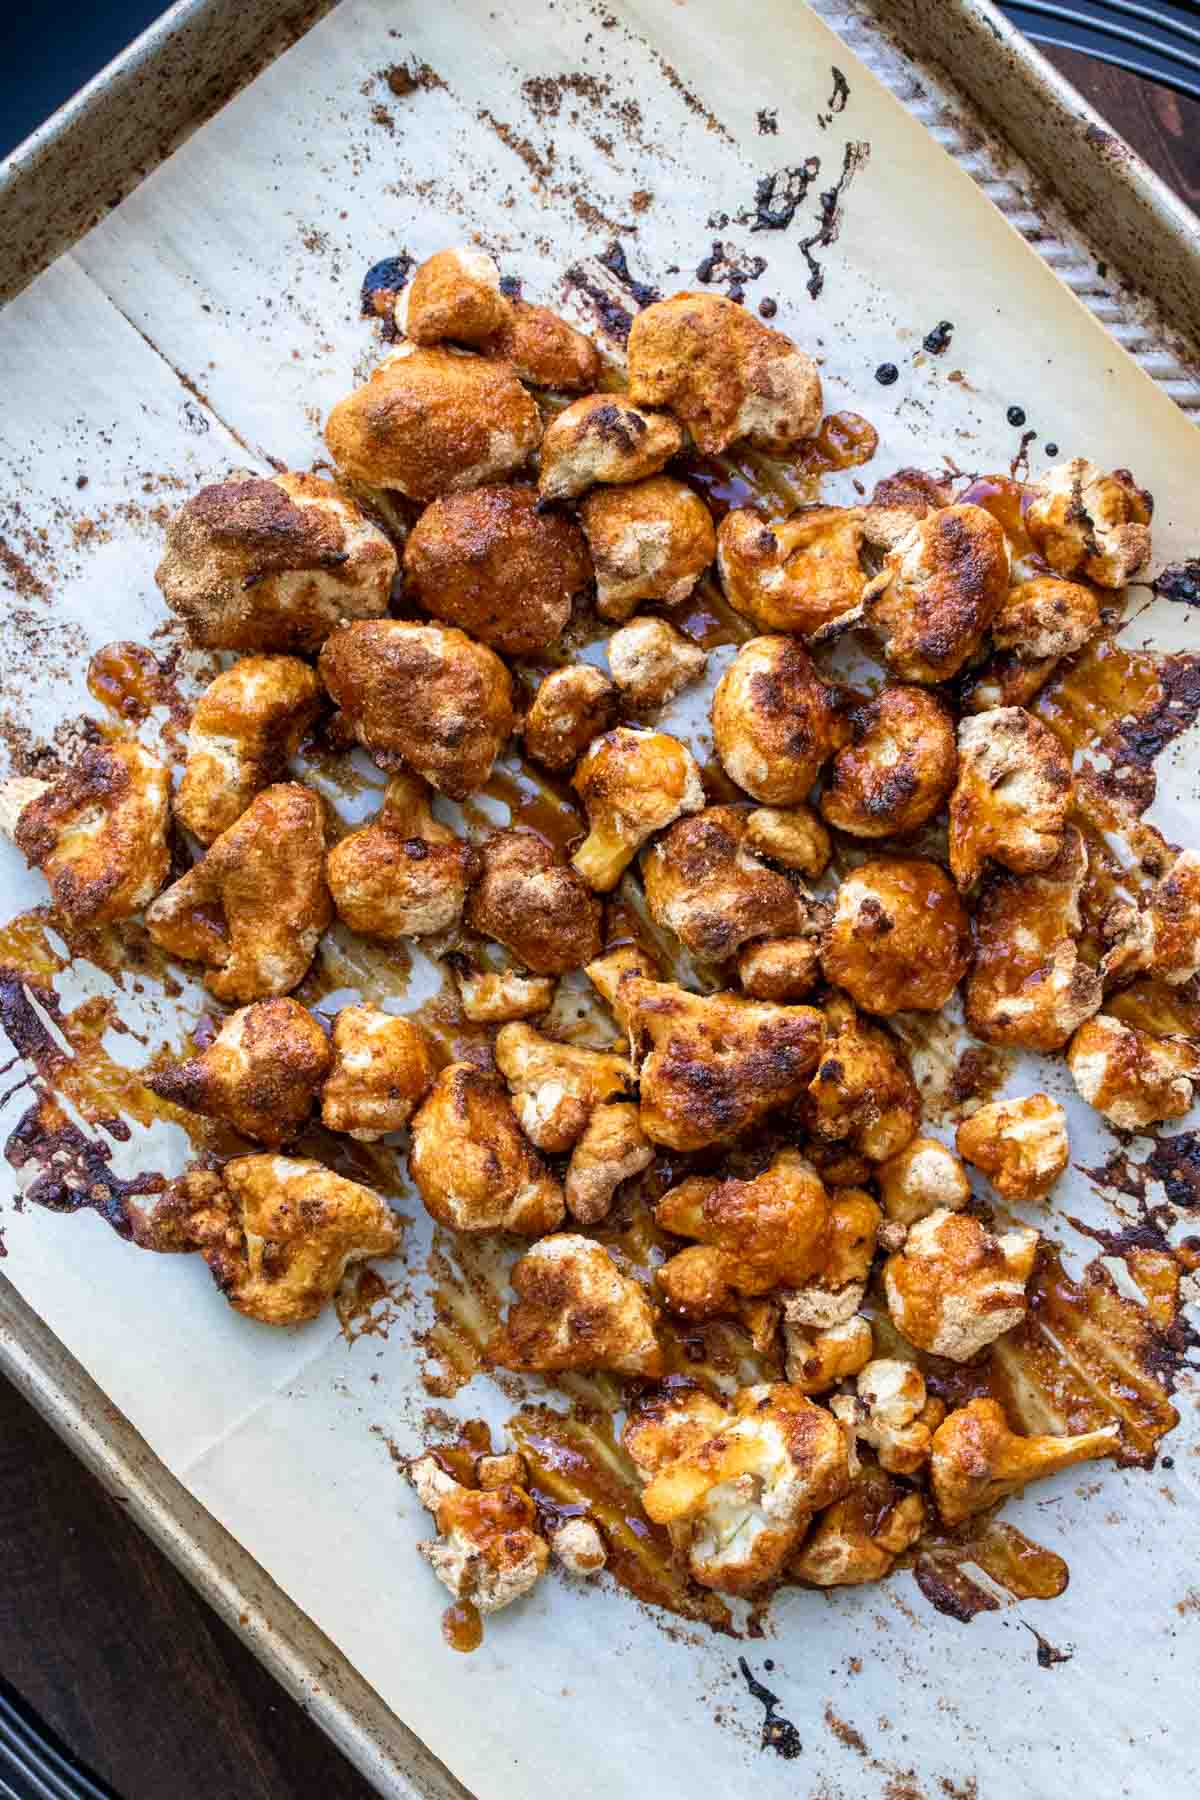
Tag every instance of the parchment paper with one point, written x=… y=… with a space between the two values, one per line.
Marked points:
x=209 y=323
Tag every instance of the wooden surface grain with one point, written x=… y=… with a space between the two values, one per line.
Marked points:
x=97 y=1630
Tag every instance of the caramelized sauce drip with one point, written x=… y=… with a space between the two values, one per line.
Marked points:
x=462 y=1626
x=775 y=488
x=537 y=802
x=942 y=1561
x=1007 y=501
x=707 y=618
x=1104 y=684
x=126 y=679
x=366 y=1304
x=843 y=440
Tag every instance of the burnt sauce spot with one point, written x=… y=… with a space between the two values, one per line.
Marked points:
x=616 y=262
x=1047 y=1656
x=613 y=319
x=73 y=1170
x=853 y=159
x=778 y=197
x=722 y=266
x=937 y=341
x=778 y=1734
x=1175 y=1161
x=1179 y=582
x=381 y=285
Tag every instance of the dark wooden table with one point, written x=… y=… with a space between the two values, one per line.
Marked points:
x=97 y=1630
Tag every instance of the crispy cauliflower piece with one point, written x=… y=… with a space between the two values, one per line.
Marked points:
x=711 y=1065
x=454 y=294
x=261 y=1073
x=606 y=438
x=579 y=1547
x=796 y=574
x=544 y=350
x=423 y=695
x=858 y=1539
x=702 y=885
x=556 y=1087
x=1012 y=795
x=783 y=969
x=98 y=833
x=899 y=939
x=1005 y=679
x=383 y=1067
x=403 y=875
x=1089 y=524
x=753 y=1236
x=253 y=564
x=508 y=1468
x=922 y=1178
x=818 y=1360
x=432 y=422
x=651 y=662
x=955 y=1288
x=1021 y=1145
x=488 y=1549
x=494 y=996
x=776 y=720
x=793 y=836
x=254 y=909
x=1028 y=986
x=887 y=1414
x=669 y=1422
x=612 y=1149
x=650 y=540
x=723 y=373
x=247 y=726
x=1046 y=619
x=1161 y=937
x=530 y=900
x=474 y=1168
x=862 y=1093
x=575 y=1310
x=610 y=972
x=572 y=706
x=1134 y=1079
x=899 y=501
x=493 y=563
x=898 y=767
x=977 y=1460
x=633 y=783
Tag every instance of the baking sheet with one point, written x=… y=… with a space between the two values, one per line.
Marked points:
x=209 y=323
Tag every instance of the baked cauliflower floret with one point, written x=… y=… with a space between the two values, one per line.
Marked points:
x=572 y=706
x=1160 y=937
x=1005 y=679
x=862 y=1093
x=454 y=294
x=254 y=909
x=898 y=767
x=612 y=1149
x=422 y=695
x=403 y=875
x=886 y=1414
x=1089 y=524
x=579 y=1547
x=383 y=1067
x=611 y=972
x=1134 y=1079
x=544 y=350
x=776 y=720
x=604 y=437
x=1012 y=795
x=818 y=1360
x=261 y=1072
x=922 y=1178
x=793 y=836
x=253 y=564
x=650 y=540
x=632 y=783
x=669 y=1422
x=1021 y=1145
x=556 y=1087
x=794 y=574
x=833 y=1297
x=899 y=939
x=956 y=1288
x=473 y=1167
x=702 y=885
x=858 y=1539
x=247 y=726
x=432 y=422
x=753 y=1236
x=1046 y=618
x=1029 y=986
x=488 y=1549
x=651 y=662
x=710 y=1065
x=530 y=900
x=575 y=1310
x=492 y=563
x=785 y=968
x=98 y=833
x=494 y=996
x=723 y=373
x=977 y=1460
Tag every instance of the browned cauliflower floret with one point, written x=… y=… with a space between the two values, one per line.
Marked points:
x=556 y=1087
x=610 y=972
x=488 y=1549
x=604 y=437
x=922 y=1178
x=702 y=885
x=633 y=783
x=1089 y=524
x=670 y=1422
x=474 y=1168
x=833 y=1297
x=432 y=422
x=776 y=720
x=859 y=1538
x=544 y=350
x=405 y=874
x=725 y=375
x=529 y=899
x=886 y=1414
x=650 y=540
x=575 y=1310
x=784 y=968
x=898 y=767
x=818 y=1360
x=651 y=662
x=261 y=1072
x=1134 y=1079
x=383 y=1067
x=1021 y=1145
x=754 y=1236
x=796 y=574
x=494 y=996
x=955 y=1288
x=572 y=706
x=454 y=294
x=1005 y=679
x=1028 y=985
x=494 y=564
x=899 y=939
x=613 y=1148
x=579 y=1547
x=977 y=1460
x=247 y=725
x=1161 y=936
x=793 y=836
x=273 y=565
x=254 y=909
x=1012 y=796
x=863 y=1092
x=98 y=833
x=422 y=695
x=1046 y=618
x=899 y=501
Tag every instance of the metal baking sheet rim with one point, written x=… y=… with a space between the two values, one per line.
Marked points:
x=177 y=74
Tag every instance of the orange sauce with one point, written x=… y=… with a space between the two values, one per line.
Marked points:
x=843 y=440
x=1007 y=501
x=538 y=803
x=1103 y=684
x=126 y=678
x=462 y=1627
